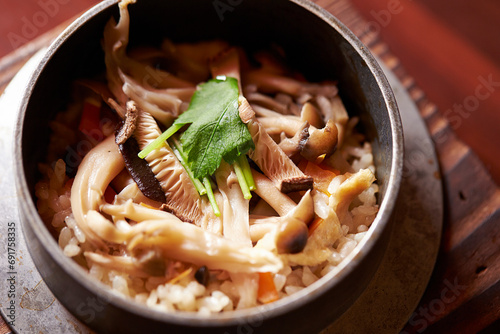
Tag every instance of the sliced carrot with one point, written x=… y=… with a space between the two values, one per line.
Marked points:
x=325 y=166
x=321 y=177
x=109 y=195
x=314 y=225
x=267 y=290
x=90 y=115
x=147 y=206
x=69 y=183
x=302 y=165
x=177 y=278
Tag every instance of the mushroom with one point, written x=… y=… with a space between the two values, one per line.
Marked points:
x=287 y=234
x=226 y=63
x=275 y=164
x=272 y=83
x=333 y=108
x=182 y=241
x=182 y=198
x=235 y=218
x=291 y=237
x=97 y=169
x=311 y=114
x=130 y=79
x=267 y=102
x=320 y=144
x=163 y=104
x=129 y=124
x=267 y=190
x=138 y=267
x=190 y=60
x=140 y=171
x=246 y=112
x=293 y=146
x=318 y=247
x=348 y=190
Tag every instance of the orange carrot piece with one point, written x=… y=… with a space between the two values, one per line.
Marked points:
x=267 y=290
x=321 y=177
x=314 y=225
x=90 y=116
x=69 y=184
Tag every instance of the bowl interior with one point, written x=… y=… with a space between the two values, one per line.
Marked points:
x=315 y=44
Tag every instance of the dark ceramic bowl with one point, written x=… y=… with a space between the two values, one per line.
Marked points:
x=319 y=46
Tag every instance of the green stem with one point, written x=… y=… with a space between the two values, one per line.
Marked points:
x=242 y=180
x=160 y=141
x=247 y=171
x=176 y=147
x=211 y=197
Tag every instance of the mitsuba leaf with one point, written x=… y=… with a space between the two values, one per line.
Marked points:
x=216 y=131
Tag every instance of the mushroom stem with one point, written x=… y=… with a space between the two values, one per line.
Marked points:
x=99 y=167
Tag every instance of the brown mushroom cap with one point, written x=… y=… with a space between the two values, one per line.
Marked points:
x=321 y=143
x=291 y=237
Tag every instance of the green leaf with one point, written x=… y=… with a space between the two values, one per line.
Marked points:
x=216 y=131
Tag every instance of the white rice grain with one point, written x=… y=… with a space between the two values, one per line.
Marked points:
x=308 y=276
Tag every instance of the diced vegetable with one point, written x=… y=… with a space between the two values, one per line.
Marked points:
x=267 y=290
x=90 y=115
x=321 y=177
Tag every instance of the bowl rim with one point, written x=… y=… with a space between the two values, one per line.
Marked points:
x=235 y=317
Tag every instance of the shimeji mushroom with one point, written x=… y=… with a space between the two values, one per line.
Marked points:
x=288 y=233
x=320 y=144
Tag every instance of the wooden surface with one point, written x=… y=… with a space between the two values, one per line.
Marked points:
x=441 y=53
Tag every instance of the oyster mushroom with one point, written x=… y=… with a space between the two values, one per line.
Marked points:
x=272 y=83
x=348 y=190
x=97 y=169
x=275 y=164
x=226 y=63
x=142 y=267
x=130 y=79
x=267 y=190
x=190 y=61
x=235 y=218
x=182 y=241
x=182 y=198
